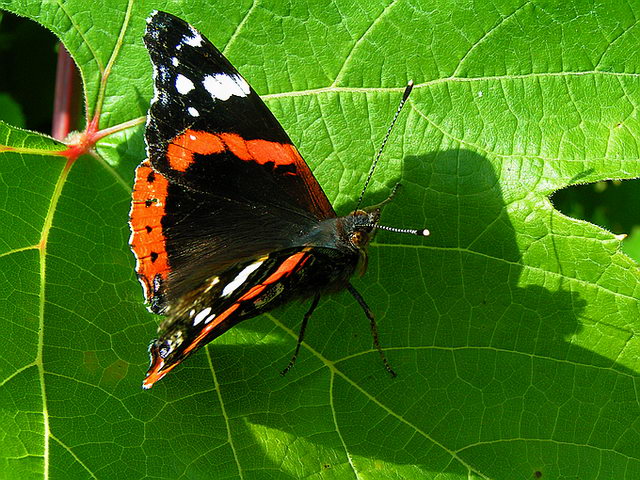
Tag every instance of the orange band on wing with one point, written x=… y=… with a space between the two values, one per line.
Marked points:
x=157 y=370
x=261 y=151
x=147 y=240
x=287 y=267
x=156 y=373
x=182 y=149
x=196 y=341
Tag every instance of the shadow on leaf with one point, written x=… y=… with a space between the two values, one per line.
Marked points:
x=484 y=351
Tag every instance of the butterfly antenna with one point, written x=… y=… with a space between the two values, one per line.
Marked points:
x=411 y=231
x=405 y=96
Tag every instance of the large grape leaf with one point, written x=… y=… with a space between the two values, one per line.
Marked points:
x=513 y=328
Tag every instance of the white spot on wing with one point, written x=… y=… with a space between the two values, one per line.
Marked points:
x=201 y=316
x=175 y=61
x=193 y=112
x=195 y=40
x=183 y=84
x=222 y=86
x=241 y=278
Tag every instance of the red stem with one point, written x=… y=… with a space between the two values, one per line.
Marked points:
x=65 y=112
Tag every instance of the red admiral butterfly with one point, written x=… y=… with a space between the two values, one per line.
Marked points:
x=227 y=219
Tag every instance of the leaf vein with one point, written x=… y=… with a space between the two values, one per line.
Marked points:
x=357 y=43
x=486 y=35
x=511 y=262
x=335 y=422
x=371 y=398
x=223 y=410
x=75 y=457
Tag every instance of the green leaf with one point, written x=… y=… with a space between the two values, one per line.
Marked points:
x=631 y=245
x=10 y=111
x=513 y=328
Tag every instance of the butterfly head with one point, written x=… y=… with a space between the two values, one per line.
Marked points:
x=355 y=231
x=359 y=227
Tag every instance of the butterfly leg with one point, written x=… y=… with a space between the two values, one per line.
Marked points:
x=386 y=200
x=303 y=327
x=374 y=326
x=393 y=193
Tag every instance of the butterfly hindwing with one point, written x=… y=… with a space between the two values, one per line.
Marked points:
x=242 y=291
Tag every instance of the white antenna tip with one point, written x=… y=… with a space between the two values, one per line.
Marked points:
x=425 y=232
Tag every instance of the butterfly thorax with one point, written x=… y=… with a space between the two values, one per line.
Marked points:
x=349 y=235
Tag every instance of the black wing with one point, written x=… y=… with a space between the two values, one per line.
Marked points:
x=223 y=183
x=209 y=131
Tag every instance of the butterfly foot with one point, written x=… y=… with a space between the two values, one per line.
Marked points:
x=289 y=366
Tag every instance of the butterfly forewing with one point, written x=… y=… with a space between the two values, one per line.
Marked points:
x=223 y=183
x=210 y=131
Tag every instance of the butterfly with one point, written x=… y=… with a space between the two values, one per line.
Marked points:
x=227 y=220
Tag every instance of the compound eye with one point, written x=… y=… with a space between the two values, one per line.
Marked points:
x=358 y=238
